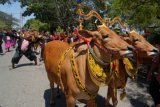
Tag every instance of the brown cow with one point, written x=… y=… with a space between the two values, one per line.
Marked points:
x=67 y=65
x=143 y=50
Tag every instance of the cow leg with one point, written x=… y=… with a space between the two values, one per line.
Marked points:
x=108 y=96
x=58 y=92
x=112 y=93
x=91 y=103
x=109 y=93
x=114 y=96
x=52 y=99
x=70 y=100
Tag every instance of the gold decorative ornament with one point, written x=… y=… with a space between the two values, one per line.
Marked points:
x=130 y=67
x=59 y=66
x=97 y=73
x=78 y=81
x=75 y=74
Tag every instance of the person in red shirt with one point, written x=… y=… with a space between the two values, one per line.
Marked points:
x=52 y=36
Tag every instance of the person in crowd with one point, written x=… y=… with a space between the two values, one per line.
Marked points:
x=41 y=40
x=13 y=40
x=154 y=80
x=24 y=48
x=47 y=36
x=1 y=41
x=52 y=36
x=7 y=40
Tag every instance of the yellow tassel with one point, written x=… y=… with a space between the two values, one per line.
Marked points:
x=103 y=26
x=128 y=63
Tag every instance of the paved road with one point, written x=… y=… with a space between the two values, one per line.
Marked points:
x=28 y=86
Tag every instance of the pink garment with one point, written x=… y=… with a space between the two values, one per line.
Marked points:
x=24 y=46
x=7 y=44
x=52 y=37
x=13 y=41
x=8 y=38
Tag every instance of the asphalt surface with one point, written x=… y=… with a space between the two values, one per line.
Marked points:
x=27 y=86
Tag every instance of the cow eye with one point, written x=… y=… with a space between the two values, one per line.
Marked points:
x=106 y=36
x=135 y=40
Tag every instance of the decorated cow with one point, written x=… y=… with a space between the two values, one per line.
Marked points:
x=73 y=66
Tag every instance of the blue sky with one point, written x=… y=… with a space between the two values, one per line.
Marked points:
x=16 y=11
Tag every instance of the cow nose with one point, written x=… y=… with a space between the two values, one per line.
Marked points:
x=155 y=50
x=130 y=48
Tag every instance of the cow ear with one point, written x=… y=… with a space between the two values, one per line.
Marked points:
x=86 y=33
x=126 y=38
x=127 y=33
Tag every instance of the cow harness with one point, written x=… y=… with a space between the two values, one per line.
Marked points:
x=75 y=73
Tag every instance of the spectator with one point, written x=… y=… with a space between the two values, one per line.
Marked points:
x=7 y=40
x=1 y=41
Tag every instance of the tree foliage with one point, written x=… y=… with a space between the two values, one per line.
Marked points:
x=54 y=12
x=141 y=13
x=36 y=25
x=60 y=12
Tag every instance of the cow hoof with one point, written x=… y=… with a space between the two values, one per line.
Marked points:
x=107 y=103
x=115 y=104
x=82 y=101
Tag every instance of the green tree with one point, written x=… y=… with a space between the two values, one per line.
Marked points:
x=36 y=25
x=54 y=12
x=141 y=13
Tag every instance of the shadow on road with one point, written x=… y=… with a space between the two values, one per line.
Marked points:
x=25 y=64
x=140 y=98
x=60 y=102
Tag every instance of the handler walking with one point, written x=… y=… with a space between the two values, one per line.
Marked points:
x=24 y=48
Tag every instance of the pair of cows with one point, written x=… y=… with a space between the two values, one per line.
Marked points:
x=67 y=64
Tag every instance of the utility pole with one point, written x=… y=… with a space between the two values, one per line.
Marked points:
x=21 y=18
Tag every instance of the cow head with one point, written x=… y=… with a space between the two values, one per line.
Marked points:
x=109 y=40
x=143 y=47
